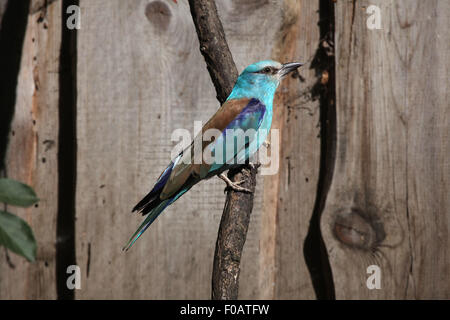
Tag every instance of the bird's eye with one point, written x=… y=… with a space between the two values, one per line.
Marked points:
x=266 y=70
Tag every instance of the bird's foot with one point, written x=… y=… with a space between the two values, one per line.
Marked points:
x=234 y=185
x=266 y=144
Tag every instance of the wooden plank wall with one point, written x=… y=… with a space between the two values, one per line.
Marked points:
x=389 y=199
x=32 y=155
x=140 y=76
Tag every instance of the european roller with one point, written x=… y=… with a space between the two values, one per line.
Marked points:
x=247 y=114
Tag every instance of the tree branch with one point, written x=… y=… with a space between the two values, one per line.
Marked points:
x=232 y=234
x=238 y=206
x=214 y=47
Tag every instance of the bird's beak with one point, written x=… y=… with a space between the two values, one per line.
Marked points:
x=289 y=67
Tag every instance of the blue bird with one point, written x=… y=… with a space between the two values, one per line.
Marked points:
x=246 y=116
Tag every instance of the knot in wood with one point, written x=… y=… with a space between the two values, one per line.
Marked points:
x=357 y=230
x=159 y=14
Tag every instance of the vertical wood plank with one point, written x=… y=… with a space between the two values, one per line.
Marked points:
x=388 y=204
x=298 y=118
x=32 y=156
x=288 y=196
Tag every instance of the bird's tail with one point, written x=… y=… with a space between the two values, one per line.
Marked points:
x=152 y=215
x=152 y=205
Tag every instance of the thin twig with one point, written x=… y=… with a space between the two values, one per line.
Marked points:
x=238 y=206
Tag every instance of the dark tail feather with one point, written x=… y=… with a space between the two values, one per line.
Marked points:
x=151 y=200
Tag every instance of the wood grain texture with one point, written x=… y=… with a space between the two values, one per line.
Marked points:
x=32 y=157
x=388 y=204
x=297 y=116
x=289 y=195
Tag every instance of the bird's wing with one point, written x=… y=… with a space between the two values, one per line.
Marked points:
x=233 y=145
x=233 y=114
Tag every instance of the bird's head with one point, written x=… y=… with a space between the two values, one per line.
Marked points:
x=261 y=79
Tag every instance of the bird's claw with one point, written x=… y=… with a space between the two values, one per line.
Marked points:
x=237 y=188
x=233 y=185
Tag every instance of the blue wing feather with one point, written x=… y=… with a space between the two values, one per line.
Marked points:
x=247 y=122
x=250 y=117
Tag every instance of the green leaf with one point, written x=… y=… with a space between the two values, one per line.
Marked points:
x=17 y=236
x=17 y=193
